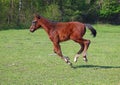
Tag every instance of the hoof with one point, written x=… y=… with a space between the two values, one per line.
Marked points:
x=85 y=59
x=67 y=60
x=69 y=63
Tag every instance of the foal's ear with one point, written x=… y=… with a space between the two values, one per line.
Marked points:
x=37 y=16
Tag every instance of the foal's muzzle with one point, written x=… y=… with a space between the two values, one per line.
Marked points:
x=32 y=30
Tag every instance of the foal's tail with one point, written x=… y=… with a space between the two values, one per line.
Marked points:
x=93 y=31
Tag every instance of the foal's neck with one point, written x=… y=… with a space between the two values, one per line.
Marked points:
x=47 y=25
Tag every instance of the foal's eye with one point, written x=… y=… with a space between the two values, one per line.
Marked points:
x=34 y=22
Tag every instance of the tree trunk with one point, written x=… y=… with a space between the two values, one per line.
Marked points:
x=19 y=12
x=61 y=9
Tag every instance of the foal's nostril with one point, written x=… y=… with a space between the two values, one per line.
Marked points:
x=31 y=30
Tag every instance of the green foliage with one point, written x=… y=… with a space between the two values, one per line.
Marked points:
x=52 y=12
x=109 y=9
x=87 y=11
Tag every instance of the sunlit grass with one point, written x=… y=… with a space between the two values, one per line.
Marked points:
x=28 y=59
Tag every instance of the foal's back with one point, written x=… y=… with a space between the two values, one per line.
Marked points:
x=67 y=30
x=70 y=26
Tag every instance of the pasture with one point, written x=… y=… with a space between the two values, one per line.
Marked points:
x=28 y=59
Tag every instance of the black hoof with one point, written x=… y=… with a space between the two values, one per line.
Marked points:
x=67 y=60
x=70 y=64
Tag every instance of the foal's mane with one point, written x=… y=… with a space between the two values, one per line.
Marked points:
x=51 y=21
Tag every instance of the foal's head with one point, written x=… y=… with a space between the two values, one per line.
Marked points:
x=35 y=23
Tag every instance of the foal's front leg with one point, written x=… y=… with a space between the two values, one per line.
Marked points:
x=57 y=50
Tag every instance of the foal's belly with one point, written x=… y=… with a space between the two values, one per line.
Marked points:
x=64 y=37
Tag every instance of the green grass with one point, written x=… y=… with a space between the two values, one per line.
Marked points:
x=28 y=59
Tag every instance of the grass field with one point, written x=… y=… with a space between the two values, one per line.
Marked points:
x=28 y=59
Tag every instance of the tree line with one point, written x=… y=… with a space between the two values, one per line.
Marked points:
x=19 y=13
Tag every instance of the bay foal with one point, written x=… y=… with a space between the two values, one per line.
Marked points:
x=63 y=31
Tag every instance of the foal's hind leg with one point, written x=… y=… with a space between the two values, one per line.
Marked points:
x=86 y=45
x=79 y=52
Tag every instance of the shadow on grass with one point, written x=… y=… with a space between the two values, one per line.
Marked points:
x=95 y=66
